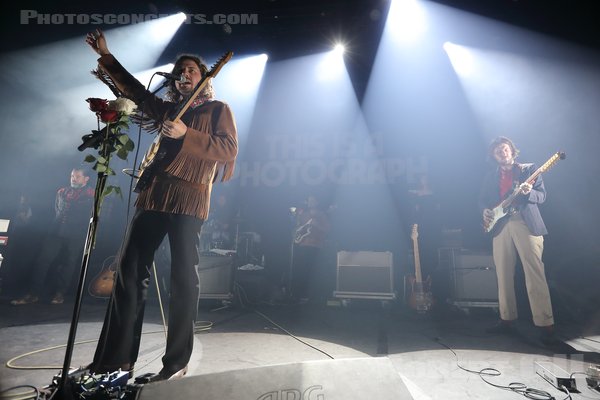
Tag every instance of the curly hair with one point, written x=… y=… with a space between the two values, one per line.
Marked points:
x=172 y=92
x=502 y=140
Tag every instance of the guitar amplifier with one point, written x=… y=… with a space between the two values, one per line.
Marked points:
x=216 y=275
x=472 y=275
x=364 y=274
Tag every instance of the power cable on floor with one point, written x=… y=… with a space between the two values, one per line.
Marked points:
x=9 y=363
x=22 y=395
x=292 y=335
x=516 y=387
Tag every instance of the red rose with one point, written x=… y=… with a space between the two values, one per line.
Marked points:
x=97 y=105
x=108 y=116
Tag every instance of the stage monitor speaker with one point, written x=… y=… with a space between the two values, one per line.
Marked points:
x=216 y=275
x=343 y=379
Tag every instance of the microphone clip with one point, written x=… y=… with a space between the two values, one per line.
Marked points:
x=92 y=140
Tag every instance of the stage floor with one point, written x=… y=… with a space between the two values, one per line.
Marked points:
x=427 y=351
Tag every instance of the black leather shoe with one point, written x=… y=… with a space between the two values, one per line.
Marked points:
x=163 y=375
x=548 y=337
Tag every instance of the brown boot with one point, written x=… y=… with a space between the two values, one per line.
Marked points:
x=58 y=298
x=28 y=299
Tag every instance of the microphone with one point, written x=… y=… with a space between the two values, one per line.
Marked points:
x=173 y=77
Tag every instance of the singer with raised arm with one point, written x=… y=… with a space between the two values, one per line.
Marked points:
x=520 y=233
x=197 y=149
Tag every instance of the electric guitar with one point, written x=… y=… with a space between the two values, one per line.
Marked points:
x=102 y=284
x=421 y=298
x=505 y=207
x=154 y=152
x=306 y=229
x=303 y=231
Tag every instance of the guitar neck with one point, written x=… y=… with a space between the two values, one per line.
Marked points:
x=547 y=165
x=189 y=102
x=210 y=74
x=418 y=276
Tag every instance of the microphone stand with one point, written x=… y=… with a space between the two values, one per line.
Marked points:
x=64 y=391
x=290 y=272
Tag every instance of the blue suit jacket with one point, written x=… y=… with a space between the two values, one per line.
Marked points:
x=526 y=204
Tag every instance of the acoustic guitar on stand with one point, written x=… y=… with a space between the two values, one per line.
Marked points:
x=102 y=284
x=420 y=297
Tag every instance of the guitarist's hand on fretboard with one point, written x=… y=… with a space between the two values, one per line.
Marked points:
x=488 y=216
x=525 y=188
x=173 y=129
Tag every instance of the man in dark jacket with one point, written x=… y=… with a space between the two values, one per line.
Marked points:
x=518 y=233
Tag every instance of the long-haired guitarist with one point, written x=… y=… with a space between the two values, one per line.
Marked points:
x=519 y=232
x=196 y=149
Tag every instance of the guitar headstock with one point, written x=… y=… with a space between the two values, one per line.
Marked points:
x=216 y=67
x=559 y=155
x=414 y=234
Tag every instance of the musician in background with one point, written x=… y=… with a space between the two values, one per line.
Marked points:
x=62 y=248
x=18 y=256
x=312 y=226
x=518 y=234
x=199 y=148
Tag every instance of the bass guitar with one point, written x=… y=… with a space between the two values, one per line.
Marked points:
x=506 y=206
x=420 y=298
x=154 y=152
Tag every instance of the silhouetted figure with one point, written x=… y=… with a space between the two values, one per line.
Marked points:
x=62 y=248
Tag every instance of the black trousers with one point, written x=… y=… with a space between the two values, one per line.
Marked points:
x=305 y=258
x=56 y=264
x=121 y=334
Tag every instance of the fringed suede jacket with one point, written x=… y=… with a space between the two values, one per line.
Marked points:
x=183 y=178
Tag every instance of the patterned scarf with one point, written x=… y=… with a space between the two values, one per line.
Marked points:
x=207 y=94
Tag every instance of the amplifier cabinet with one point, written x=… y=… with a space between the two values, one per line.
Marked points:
x=472 y=274
x=216 y=275
x=365 y=274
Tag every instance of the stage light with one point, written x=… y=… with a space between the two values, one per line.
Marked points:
x=241 y=77
x=331 y=65
x=460 y=57
x=238 y=83
x=339 y=49
x=181 y=16
x=164 y=28
x=406 y=19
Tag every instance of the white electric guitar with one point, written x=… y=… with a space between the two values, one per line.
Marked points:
x=505 y=207
x=303 y=231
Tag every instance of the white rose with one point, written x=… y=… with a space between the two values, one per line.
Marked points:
x=122 y=105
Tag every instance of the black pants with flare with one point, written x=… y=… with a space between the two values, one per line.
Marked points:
x=119 y=342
